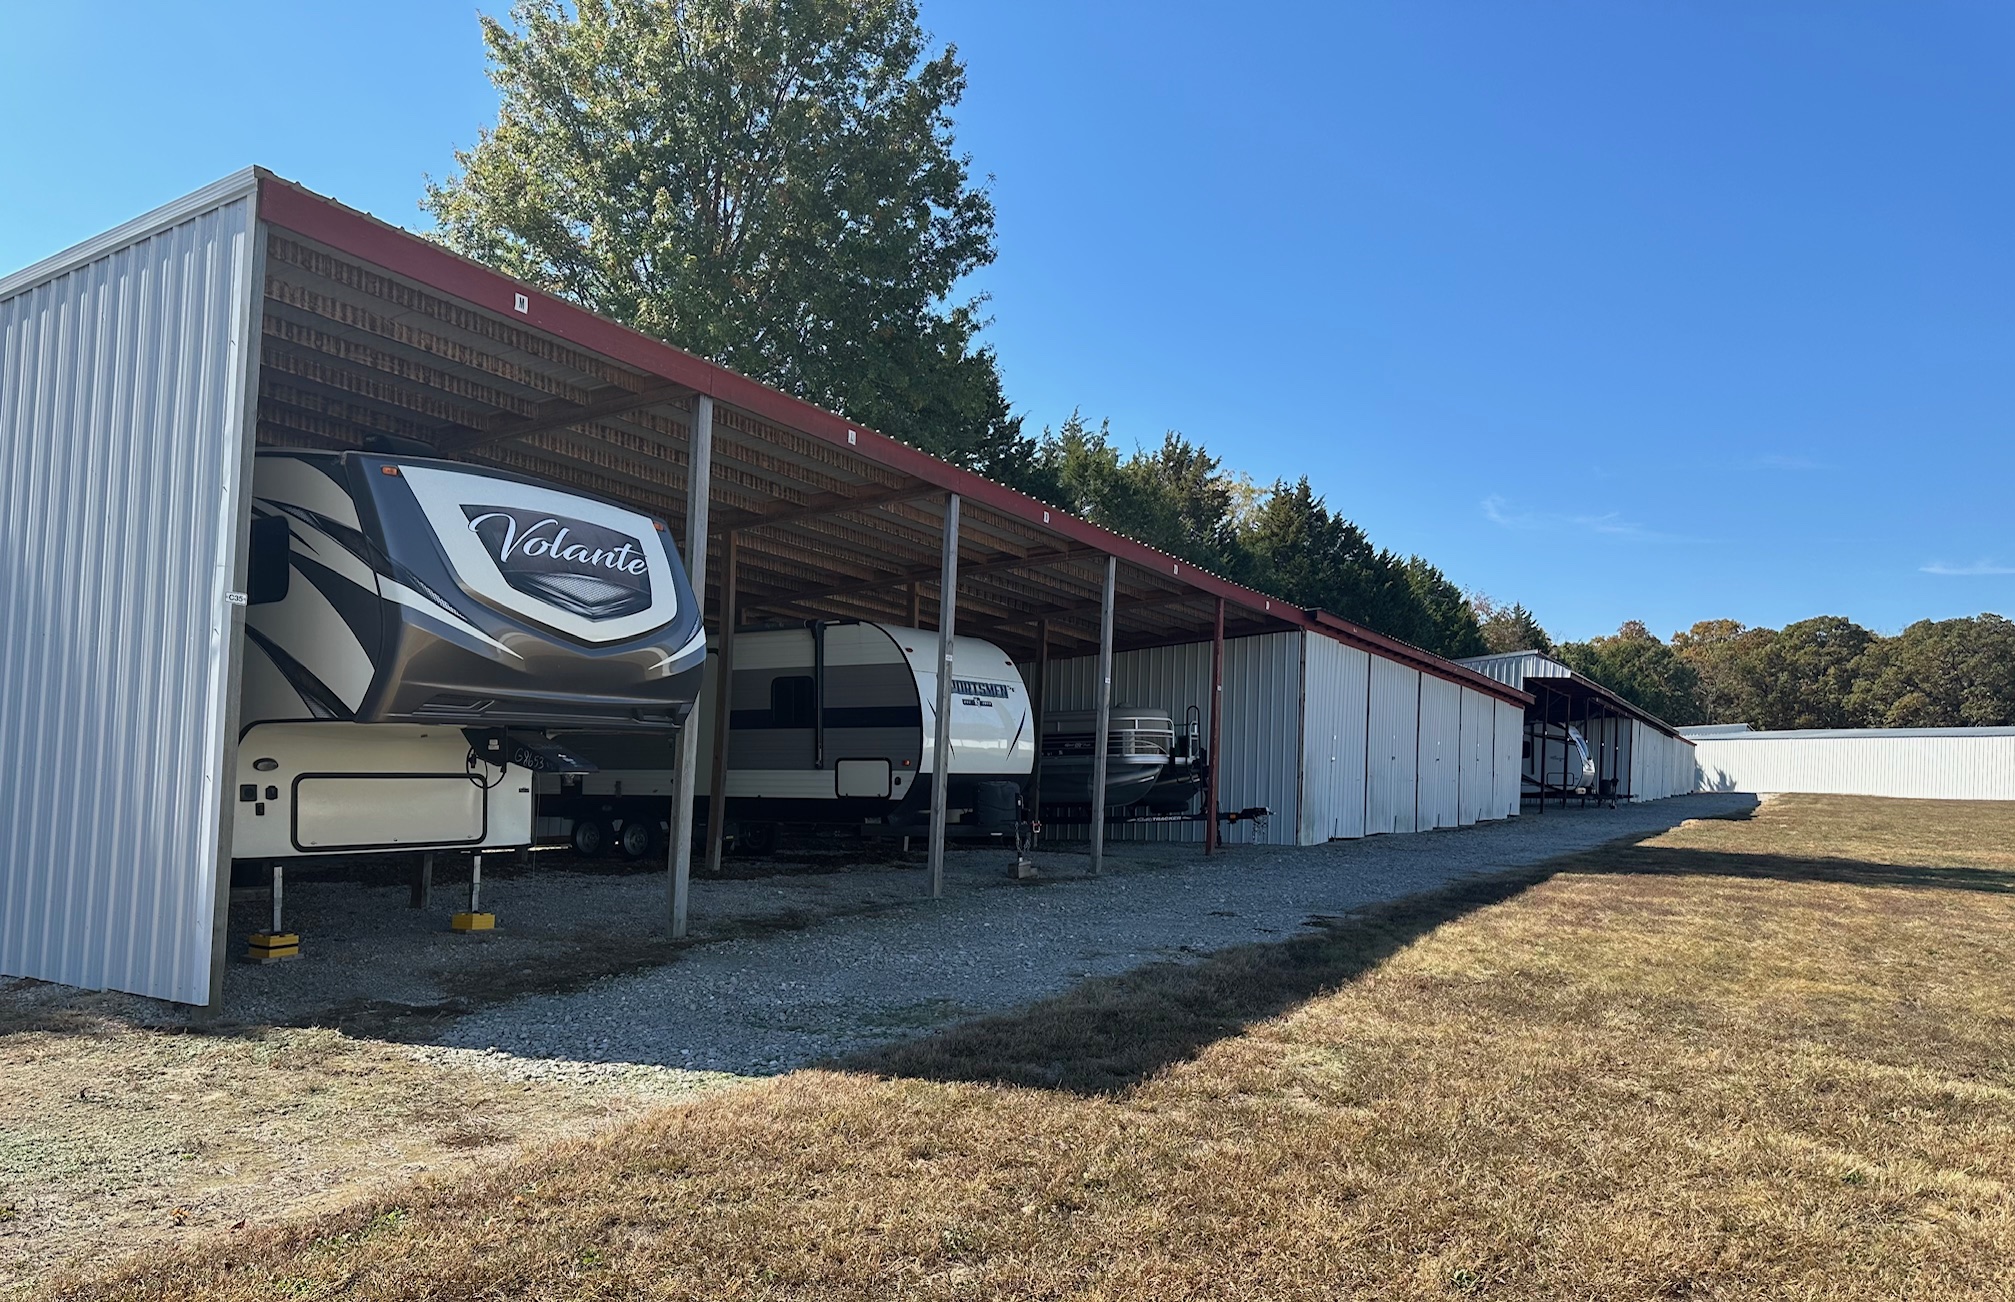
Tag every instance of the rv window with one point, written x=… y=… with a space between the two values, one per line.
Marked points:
x=791 y=702
x=267 y=570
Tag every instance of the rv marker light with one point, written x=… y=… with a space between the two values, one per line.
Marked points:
x=388 y=470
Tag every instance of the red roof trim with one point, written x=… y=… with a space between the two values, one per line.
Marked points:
x=1407 y=654
x=284 y=204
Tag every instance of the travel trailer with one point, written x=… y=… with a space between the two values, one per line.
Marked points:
x=1560 y=763
x=830 y=722
x=416 y=632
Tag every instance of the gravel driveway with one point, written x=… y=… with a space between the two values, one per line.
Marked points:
x=770 y=1003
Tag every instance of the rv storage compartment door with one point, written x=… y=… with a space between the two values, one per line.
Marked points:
x=355 y=813
x=861 y=777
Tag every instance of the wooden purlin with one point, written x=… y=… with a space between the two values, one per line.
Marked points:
x=787 y=513
x=794 y=449
x=917 y=574
x=314 y=368
x=601 y=405
x=669 y=509
x=288 y=435
x=283 y=250
x=325 y=408
x=429 y=378
x=337 y=313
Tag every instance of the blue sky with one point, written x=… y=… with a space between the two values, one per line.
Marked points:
x=1661 y=311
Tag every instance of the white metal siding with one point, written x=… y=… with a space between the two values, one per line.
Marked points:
x=1440 y=752
x=1660 y=765
x=1333 y=741
x=123 y=369
x=1392 y=754
x=1505 y=786
x=1953 y=766
x=1479 y=747
x=1262 y=727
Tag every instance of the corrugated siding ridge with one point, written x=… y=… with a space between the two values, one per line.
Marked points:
x=122 y=402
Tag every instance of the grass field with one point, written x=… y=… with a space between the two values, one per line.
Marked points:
x=1771 y=1057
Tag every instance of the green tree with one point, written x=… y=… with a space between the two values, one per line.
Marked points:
x=772 y=184
x=1295 y=547
x=1806 y=675
x=1508 y=628
x=1175 y=498
x=1953 y=673
x=1641 y=669
x=1727 y=656
x=1444 y=621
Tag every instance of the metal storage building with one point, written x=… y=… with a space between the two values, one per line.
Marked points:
x=1645 y=757
x=139 y=369
x=1336 y=740
x=1910 y=763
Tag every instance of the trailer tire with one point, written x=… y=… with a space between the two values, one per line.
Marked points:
x=638 y=838
x=758 y=839
x=591 y=837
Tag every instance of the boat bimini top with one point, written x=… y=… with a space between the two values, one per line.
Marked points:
x=387 y=589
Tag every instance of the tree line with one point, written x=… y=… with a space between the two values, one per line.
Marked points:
x=776 y=185
x=1826 y=672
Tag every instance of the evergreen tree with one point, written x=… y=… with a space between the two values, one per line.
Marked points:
x=1509 y=628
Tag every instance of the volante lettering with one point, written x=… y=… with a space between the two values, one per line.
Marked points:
x=548 y=538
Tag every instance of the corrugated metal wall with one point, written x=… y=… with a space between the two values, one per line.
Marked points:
x=1261 y=763
x=123 y=372
x=1440 y=753
x=1333 y=741
x=1479 y=752
x=1392 y=781
x=1660 y=765
x=1914 y=765
x=1505 y=786
x=1337 y=742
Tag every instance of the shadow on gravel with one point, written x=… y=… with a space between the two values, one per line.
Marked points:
x=1108 y=1035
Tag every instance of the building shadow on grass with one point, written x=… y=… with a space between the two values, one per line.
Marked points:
x=1108 y=1035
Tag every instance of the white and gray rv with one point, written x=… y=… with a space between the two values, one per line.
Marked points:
x=418 y=629
x=827 y=723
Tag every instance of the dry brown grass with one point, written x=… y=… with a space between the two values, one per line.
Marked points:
x=114 y=1136
x=1763 y=1058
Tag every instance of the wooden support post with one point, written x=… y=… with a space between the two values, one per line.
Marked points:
x=699 y=480
x=423 y=882
x=724 y=699
x=941 y=746
x=1101 y=738
x=916 y=606
x=1210 y=834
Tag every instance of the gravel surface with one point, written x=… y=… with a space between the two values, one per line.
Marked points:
x=768 y=1003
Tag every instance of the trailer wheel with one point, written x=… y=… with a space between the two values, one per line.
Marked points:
x=638 y=838
x=759 y=839
x=591 y=837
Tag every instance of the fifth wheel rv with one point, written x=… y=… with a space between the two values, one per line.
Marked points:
x=418 y=629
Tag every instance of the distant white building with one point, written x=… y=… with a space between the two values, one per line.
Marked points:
x=1911 y=763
